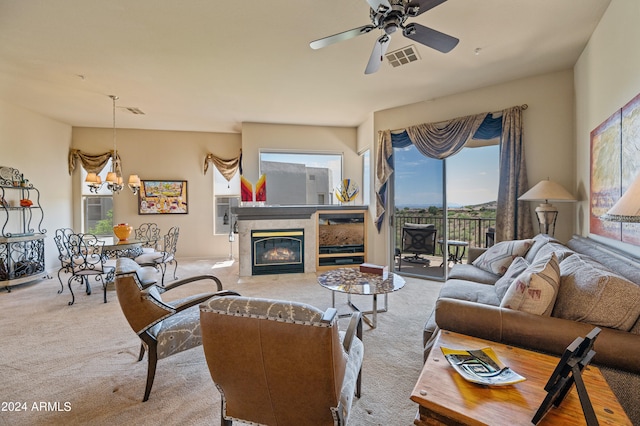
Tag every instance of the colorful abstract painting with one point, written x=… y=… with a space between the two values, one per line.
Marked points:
x=605 y=175
x=246 y=190
x=630 y=158
x=261 y=189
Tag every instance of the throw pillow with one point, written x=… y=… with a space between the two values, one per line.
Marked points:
x=535 y=290
x=517 y=267
x=595 y=295
x=498 y=257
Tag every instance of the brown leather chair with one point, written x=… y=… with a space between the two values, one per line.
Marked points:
x=165 y=328
x=281 y=363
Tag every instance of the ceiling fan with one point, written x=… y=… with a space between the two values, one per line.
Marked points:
x=390 y=15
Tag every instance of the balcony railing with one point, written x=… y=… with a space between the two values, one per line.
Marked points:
x=478 y=232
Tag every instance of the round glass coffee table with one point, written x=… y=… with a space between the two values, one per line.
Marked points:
x=352 y=281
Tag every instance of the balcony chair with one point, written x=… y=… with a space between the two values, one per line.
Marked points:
x=61 y=238
x=160 y=259
x=149 y=235
x=87 y=260
x=165 y=328
x=417 y=239
x=281 y=363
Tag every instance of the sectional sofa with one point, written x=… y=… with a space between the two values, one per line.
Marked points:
x=541 y=294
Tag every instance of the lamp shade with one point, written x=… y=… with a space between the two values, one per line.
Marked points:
x=547 y=190
x=627 y=209
x=91 y=178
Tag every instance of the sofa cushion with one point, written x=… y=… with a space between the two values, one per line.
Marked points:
x=517 y=267
x=539 y=241
x=535 y=289
x=595 y=295
x=469 y=291
x=561 y=251
x=463 y=271
x=498 y=258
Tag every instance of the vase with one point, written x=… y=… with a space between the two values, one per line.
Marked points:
x=122 y=231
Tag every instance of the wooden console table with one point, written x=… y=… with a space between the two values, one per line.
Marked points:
x=445 y=398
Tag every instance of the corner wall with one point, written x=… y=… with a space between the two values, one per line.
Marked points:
x=607 y=76
x=38 y=147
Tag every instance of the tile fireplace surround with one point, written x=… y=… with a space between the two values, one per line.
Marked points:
x=280 y=217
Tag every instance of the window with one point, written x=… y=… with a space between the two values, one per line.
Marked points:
x=295 y=178
x=97 y=209
x=225 y=196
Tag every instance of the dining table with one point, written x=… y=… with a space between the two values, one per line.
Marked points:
x=114 y=248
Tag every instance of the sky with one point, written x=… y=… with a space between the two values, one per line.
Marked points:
x=472 y=177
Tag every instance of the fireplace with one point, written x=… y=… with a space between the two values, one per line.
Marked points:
x=277 y=251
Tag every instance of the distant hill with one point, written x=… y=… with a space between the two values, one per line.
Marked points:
x=490 y=205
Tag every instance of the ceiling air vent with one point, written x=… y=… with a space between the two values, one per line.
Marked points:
x=134 y=110
x=403 y=56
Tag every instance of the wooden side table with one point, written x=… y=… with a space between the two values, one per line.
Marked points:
x=445 y=398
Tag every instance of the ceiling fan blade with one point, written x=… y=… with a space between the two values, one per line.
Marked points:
x=430 y=37
x=417 y=7
x=346 y=35
x=375 y=4
x=377 y=56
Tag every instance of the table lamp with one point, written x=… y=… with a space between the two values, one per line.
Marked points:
x=627 y=208
x=547 y=190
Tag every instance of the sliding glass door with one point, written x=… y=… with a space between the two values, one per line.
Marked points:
x=418 y=199
x=457 y=196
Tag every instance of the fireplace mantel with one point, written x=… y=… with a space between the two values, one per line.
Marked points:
x=286 y=212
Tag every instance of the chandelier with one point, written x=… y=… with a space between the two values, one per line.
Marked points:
x=114 y=177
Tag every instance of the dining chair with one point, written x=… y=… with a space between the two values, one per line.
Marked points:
x=149 y=235
x=165 y=328
x=281 y=363
x=87 y=260
x=164 y=257
x=61 y=239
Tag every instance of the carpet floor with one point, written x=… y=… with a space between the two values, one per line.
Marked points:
x=77 y=364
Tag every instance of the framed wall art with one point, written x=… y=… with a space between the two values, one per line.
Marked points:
x=615 y=156
x=163 y=197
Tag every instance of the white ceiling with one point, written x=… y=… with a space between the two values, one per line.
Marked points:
x=209 y=65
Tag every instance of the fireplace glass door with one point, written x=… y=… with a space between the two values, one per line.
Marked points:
x=277 y=251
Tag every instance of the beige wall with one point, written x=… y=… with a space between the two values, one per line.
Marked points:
x=548 y=133
x=257 y=136
x=165 y=155
x=38 y=147
x=607 y=76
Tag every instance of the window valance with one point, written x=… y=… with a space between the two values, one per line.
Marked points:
x=226 y=167
x=443 y=139
x=93 y=163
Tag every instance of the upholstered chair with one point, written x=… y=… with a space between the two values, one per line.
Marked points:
x=165 y=328
x=161 y=258
x=281 y=363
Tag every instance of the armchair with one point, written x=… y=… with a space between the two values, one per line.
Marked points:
x=160 y=259
x=165 y=328
x=259 y=351
x=417 y=239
